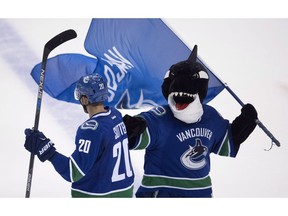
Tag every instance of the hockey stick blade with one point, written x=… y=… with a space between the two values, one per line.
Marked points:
x=60 y=38
x=49 y=46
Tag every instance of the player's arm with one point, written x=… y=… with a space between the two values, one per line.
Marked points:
x=135 y=126
x=71 y=168
x=244 y=124
x=79 y=163
x=38 y=144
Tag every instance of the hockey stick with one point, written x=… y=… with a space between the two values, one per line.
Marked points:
x=258 y=122
x=49 y=46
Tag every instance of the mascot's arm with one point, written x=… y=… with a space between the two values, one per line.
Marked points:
x=244 y=124
x=135 y=126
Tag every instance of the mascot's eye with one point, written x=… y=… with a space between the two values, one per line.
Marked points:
x=171 y=75
x=195 y=76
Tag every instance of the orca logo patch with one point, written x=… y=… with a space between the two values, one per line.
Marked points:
x=91 y=124
x=159 y=110
x=194 y=157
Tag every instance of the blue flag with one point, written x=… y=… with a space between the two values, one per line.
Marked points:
x=132 y=54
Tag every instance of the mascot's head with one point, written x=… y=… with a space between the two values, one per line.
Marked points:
x=185 y=86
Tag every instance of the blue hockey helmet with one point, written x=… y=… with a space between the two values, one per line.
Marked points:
x=92 y=86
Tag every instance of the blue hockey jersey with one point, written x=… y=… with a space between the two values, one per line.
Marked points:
x=177 y=157
x=101 y=164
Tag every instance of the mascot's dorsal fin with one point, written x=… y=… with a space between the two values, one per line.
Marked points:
x=193 y=56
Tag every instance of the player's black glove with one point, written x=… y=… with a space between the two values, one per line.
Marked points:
x=135 y=126
x=244 y=124
x=38 y=144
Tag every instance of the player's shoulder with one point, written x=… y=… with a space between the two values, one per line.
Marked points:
x=96 y=120
x=90 y=124
x=114 y=111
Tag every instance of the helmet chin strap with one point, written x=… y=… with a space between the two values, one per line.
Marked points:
x=191 y=114
x=84 y=108
x=84 y=104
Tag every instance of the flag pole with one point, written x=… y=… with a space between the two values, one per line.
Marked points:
x=258 y=122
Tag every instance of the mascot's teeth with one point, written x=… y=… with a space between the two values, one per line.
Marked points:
x=183 y=94
x=187 y=94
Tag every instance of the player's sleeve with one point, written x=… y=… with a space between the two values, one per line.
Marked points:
x=61 y=165
x=75 y=167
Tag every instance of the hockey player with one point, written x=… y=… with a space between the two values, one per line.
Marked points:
x=100 y=165
x=179 y=137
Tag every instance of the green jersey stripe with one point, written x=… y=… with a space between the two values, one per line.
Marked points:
x=180 y=183
x=224 y=150
x=75 y=172
x=127 y=192
x=144 y=140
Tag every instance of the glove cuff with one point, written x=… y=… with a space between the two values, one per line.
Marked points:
x=46 y=152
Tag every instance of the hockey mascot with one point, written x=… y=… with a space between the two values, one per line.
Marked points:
x=178 y=138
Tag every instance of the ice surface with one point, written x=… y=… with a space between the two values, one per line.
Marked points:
x=249 y=54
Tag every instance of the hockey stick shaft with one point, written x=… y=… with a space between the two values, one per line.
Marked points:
x=49 y=46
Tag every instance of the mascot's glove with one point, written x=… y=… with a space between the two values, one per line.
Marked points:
x=249 y=112
x=244 y=124
x=38 y=144
x=135 y=126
